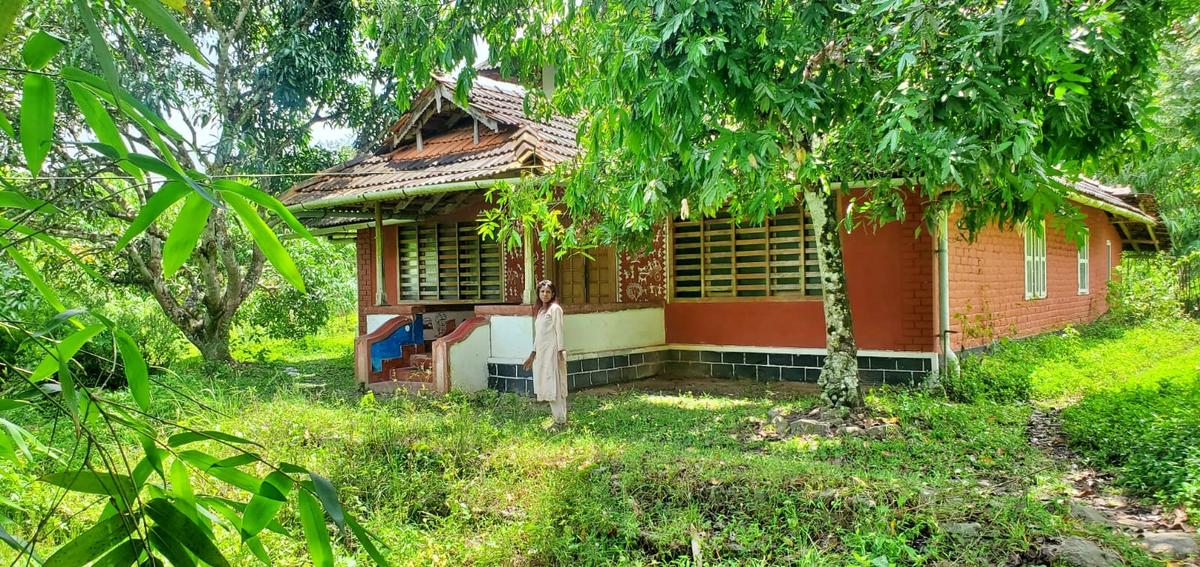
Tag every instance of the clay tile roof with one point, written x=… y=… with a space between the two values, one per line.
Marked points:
x=517 y=142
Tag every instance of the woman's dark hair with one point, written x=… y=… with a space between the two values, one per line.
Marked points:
x=538 y=306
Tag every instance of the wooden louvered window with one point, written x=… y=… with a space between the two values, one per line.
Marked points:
x=717 y=258
x=448 y=262
x=583 y=280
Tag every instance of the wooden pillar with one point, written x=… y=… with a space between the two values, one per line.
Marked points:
x=380 y=293
x=527 y=296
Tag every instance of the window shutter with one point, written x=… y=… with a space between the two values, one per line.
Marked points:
x=447 y=262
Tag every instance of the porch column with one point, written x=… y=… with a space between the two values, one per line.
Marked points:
x=380 y=293
x=527 y=244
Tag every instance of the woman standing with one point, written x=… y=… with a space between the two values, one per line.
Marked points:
x=549 y=357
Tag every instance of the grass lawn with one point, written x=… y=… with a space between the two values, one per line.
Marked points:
x=641 y=477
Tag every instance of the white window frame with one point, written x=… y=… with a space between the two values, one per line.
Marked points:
x=1083 y=264
x=1035 y=261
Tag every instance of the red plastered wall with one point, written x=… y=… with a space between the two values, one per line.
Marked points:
x=987 y=282
x=890 y=275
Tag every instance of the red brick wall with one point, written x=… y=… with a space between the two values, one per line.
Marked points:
x=987 y=283
x=890 y=276
x=365 y=256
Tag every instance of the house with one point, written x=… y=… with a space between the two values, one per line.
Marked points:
x=442 y=308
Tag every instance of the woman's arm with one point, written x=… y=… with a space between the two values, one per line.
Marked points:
x=560 y=342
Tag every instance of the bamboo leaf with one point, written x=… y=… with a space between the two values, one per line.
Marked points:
x=267 y=202
x=170 y=548
x=185 y=531
x=180 y=439
x=186 y=233
x=102 y=124
x=150 y=121
x=6 y=126
x=66 y=351
x=166 y=196
x=135 y=369
x=329 y=499
x=49 y=241
x=21 y=546
x=263 y=507
x=48 y=294
x=207 y=464
x=165 y=22
x=364 y=539
x=99 y=538
x=40 y=48
x=107 y=484
x=124 y=554
x=37 y=120
x=256 y=547
x=266 y=239
x=155 y=165
x=14 y=200
x=316 y=533
x=8 y=13
x=99 y=47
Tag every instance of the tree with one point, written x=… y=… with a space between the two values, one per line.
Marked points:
x=699 y=105
x=240 y=101
x=151 y=511
x=1170 y=170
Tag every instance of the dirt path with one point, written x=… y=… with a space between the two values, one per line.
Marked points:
x=1165 y=533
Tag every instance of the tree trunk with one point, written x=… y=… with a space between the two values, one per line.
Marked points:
x=839 y=376
x=214 y=344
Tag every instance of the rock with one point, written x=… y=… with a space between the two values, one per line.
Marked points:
x=962 y=530
x=1172 y=545
x=883 y=430
x=774 y=413
x=780 y=423
x=852 y=430
x=1089 y=514
x=1079 y=552
x=926 y=495
x=809 y=427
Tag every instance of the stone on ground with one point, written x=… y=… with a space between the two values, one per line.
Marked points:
x=1079 y=552
x=1173 y=545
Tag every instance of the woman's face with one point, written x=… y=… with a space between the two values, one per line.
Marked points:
x=546 y=294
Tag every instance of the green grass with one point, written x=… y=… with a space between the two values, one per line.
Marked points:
x=638 y=476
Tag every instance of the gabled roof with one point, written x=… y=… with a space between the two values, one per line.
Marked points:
x=440 y=141
x=1134 y=214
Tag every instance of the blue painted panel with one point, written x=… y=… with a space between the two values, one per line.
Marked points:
x=392 y=346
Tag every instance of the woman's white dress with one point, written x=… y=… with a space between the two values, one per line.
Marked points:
x=549 y=367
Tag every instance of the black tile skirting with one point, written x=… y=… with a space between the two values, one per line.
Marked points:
x=768 y=367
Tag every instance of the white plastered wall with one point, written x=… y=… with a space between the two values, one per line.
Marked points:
x=468 y=360
x=512 y=335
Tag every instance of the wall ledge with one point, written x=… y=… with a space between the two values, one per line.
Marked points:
x=518 y=310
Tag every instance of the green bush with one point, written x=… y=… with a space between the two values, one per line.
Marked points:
x=162 y=343
x=1146 y=288
x=1007 y=373
x=1147 y=434
x=280 y=311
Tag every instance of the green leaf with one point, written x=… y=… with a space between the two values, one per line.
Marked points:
x=135 y=369
x=14 y=200
x=266 y=239
x=315 y=531
x=21 y=546
x=181 y=484
x=99 y=46
x=263 y=507
x=116 y=485
x=41 y=236
x=329 y=499
x=165 y=22
x=186 y=233
x=207 y=464
x=48 y=294
x=66 y=350
x=102 y=124
x=9 y=10
x=180 y=439
x=267 y=202
x=99 y=538
x=18 y=436
x=256 y=547
x=37 y=120
x=166 y=196
x=155 y=165
x=6 y=126
x=40 y=48
x=185 y=531
x=364 y=539
x=123 y=555
x=170 y=548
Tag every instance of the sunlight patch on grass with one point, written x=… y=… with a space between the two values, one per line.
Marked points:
x=695 y=403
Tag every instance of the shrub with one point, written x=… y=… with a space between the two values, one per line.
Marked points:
x=282 y=312
x=1007 y=373
x=1147 y=434
x=1146 y=288
x=162 y=343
